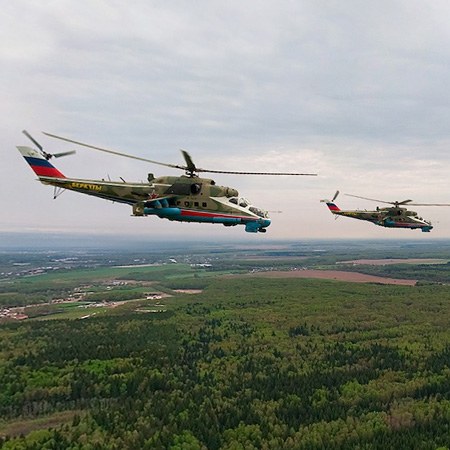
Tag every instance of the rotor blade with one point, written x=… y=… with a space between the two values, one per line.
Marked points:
x=31 y=138
x=192 y=168
x=335 y=196
x=430 y=204
x=113 y=152
x=404 y=202
x=59 y=155
x=371 y=199
x=254 y=173
x=189 y=163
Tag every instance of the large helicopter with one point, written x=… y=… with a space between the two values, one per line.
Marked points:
x=394 y=216
x=185 y=198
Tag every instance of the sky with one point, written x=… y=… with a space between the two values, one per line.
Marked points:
x=356 y=91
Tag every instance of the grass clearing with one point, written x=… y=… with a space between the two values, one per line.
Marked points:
x=25 y=426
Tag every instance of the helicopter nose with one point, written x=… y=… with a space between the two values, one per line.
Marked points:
x=265 y=223
x=257 y=226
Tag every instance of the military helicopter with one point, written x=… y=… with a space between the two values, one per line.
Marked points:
x=185 y=198
x=391 y=217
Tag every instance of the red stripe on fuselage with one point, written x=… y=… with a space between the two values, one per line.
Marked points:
x=407 y=225
x=185 y=212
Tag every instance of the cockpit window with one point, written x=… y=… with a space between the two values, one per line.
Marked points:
x=243 y=202
x=258 y=212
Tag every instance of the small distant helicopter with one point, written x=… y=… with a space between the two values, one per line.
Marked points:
x=185 y=198
x=391 y=217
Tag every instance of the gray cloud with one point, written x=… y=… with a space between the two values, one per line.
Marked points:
x=356 y=91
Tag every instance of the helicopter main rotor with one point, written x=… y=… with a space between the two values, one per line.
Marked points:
x=190 y=168
x=397 y=203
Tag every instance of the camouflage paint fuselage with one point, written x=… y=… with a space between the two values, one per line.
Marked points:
x=386 y=217
x=179 y=198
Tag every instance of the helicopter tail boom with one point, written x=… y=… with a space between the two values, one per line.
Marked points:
x=40 y=165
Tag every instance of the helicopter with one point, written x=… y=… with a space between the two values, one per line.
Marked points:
x=185 y=198
x=394 y=216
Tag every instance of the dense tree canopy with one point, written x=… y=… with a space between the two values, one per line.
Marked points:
x=260 y=363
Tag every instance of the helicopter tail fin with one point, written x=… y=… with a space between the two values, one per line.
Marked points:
x=331 y=205
x=40 y=165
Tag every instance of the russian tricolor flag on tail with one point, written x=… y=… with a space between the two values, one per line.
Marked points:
x=330 y=203
x=332 y=206
x=40 y=165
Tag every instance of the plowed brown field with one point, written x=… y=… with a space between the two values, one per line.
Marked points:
x=339 y=275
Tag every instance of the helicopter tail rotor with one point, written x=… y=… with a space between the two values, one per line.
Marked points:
x=332 y=200
x=45 y=154
x=331 y=205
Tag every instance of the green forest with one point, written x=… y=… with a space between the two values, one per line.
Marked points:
x=246 y=364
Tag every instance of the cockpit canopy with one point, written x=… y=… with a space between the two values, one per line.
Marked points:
x=244 y=203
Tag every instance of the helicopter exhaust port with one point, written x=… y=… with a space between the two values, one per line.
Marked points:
x=196 y=188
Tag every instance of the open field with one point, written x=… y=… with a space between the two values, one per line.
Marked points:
x=25 y=426
x=353 y=277
x=385 y=262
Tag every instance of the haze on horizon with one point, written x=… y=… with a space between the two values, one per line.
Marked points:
x=356 y=91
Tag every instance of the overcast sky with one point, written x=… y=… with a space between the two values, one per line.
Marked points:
x=357 y=91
